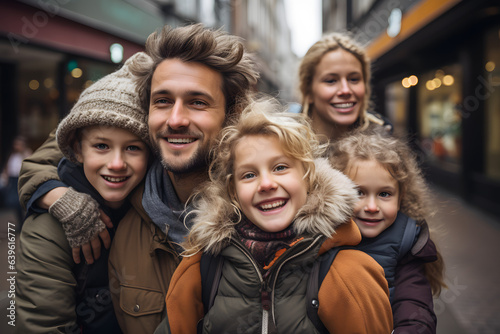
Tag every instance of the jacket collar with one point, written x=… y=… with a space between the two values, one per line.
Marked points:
x=347 y=234
x=136 y=201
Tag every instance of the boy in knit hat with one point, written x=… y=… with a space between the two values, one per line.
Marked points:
x=106 y=146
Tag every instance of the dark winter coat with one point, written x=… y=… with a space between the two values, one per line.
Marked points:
x=402 y=250
x=53 y=293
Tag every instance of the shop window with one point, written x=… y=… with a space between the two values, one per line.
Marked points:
x=440 y=116
x=41 y=86
x=81 y=73
x=36 y=92
x=396 y=106
x=492 y=103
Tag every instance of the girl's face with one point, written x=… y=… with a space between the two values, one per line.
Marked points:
x=379 y=195
x=337 y=92
x=114 y=161
x=269 y=185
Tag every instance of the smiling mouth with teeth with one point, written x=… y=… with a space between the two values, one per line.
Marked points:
x=343 y=105
x=115 y=179
x=180 y=140
x=271 y=206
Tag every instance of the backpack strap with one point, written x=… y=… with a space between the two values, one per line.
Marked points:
x=211 y=272
x=422 y=239
x=408 y=240
x=318 y=273
x=326 y=263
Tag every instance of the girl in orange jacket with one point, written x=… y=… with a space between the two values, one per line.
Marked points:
x=270 y=211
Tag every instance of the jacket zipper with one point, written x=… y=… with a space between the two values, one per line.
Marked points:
x=276 y=272
x=267 y=297
x=265 y=300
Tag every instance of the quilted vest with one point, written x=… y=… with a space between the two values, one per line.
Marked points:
x=392 y=245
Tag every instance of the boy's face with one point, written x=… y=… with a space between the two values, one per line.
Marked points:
x=379 y=197
x=114 y=161
x=186 y=113
x=269 y=185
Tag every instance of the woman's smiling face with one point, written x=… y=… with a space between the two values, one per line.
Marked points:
x=338 y=91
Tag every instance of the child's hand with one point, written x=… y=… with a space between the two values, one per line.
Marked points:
x=92 y=250
x=80 y=218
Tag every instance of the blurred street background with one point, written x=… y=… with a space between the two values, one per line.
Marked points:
x=434 y=75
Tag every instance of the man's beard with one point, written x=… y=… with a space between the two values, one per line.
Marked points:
x=196 y=163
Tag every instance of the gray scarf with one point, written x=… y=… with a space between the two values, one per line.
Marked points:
x=163 y=206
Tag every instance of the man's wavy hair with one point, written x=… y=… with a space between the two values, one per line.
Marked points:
x=310 y=61
x=216 y=49
x=397 y=157
x=263 y=117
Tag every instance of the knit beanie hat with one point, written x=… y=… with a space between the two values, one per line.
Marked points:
x=111 y=101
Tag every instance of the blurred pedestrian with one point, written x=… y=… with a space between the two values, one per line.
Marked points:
x=10 y=176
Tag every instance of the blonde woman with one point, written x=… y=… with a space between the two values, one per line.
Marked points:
x=334 y=81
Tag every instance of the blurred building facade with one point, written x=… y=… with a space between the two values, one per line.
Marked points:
x=263 y=25
x=436 y=75
x=50 y=50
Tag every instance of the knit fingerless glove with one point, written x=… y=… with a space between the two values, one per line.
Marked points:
x=79 y=215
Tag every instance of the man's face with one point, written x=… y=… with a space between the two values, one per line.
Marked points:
x=186 y=112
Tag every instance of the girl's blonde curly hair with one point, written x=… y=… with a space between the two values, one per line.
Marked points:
x=395 y=156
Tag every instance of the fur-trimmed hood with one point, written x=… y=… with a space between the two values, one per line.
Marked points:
x=329 y=204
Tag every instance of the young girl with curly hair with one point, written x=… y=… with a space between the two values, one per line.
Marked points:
x=394 y=203
x=270 y=211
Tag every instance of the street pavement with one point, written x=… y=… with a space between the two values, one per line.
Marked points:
x=467 y=238
x=469 y=242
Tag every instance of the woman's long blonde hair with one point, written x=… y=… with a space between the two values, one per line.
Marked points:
x=264 y=116
x=396 y=156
